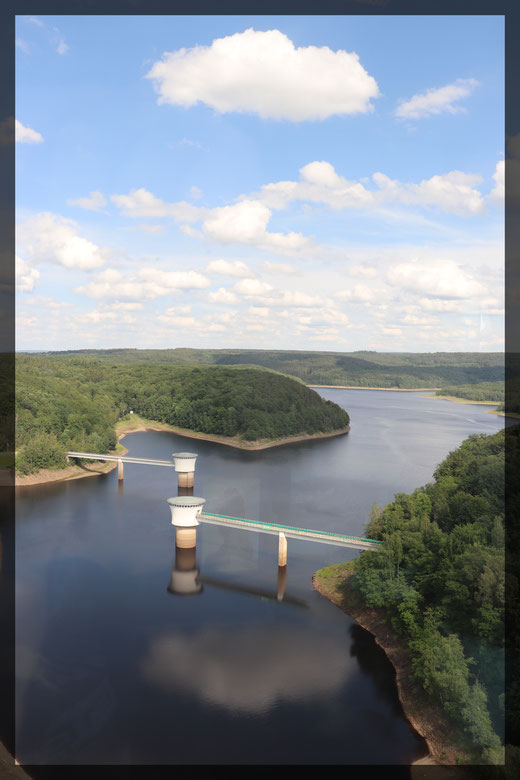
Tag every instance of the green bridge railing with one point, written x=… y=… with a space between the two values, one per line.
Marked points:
x=277 y=526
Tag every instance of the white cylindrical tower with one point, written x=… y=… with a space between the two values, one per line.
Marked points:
x=184 y=511
x=185 y=467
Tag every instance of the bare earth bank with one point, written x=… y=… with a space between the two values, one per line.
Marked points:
x=139 y=424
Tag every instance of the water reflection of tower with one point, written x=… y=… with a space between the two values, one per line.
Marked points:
x=185 y=576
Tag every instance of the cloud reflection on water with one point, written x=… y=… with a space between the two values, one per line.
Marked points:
x=248 y=670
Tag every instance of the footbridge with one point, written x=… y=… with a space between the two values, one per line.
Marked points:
x=182 y=462
x=289 y=531
x=123 y=458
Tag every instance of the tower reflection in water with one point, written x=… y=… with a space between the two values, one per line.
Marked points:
x=185 y=579
x=185 y=576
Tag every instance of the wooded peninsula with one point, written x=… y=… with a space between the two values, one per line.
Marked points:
x=75 y=404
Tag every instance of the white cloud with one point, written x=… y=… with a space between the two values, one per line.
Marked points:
x=259 y=311
x=319 y=183
x=195 y=192
x=252 y=287
x=99 y=316
x=262 y=72
x=21 y=44
x=178 y=310
x=127 y=306
x=246 y=223
x=359 y=293
x=498 y=191
x=437 y=101
x=434 y=304
x=151 y=229
x=179 y=321
x=94 y=202
x=364 y=271
x=142 y=203
x=48 y=237
x=443 y=279
x=453 y=192
x=61 y=46
x=191 y=232
x=412 y=319
x=267 y=295
x=279 y=268
x=26 y=275
x=229 y=268
x=391 y=331
x=148 y=283
x=26 y=135
x=222 y=296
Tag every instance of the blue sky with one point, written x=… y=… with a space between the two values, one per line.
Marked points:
x=265 y=182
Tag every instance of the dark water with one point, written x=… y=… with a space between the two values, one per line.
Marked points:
x=113 y=667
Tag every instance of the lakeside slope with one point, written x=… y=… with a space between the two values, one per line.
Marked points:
x=428 y=721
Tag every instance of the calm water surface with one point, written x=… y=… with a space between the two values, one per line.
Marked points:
x=114 y=666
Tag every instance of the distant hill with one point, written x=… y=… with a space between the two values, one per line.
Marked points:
x=359 y=369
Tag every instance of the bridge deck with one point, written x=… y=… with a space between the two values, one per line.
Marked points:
x=325 y=537
x=124 y=458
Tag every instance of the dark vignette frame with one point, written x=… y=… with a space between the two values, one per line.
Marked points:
x=511 y=12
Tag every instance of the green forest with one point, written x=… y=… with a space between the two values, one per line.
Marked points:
x=482 y=391
x=75 y=404
x=360 y=369
x=440 y=576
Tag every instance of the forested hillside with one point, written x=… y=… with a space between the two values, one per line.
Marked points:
x=360 y=369
x=440 y=576
x=482 y=391
x=75 y=404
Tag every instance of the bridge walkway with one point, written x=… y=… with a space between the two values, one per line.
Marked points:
x=124 y=458
x=291 y=532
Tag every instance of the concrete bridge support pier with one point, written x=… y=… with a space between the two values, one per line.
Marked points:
x=120 y=467
x=184 y=463
x=282 y=549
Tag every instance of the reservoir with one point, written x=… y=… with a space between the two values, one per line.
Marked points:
x=116 y=667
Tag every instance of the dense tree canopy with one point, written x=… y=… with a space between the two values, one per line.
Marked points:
x=360 y=369
x=440 y=574
x=482 y=391
x=75 y=404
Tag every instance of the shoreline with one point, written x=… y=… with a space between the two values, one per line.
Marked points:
x=424 y=719
x=46 y=476
x=424 y=390
x=126 y=427
x=150 y=425
x=459 y=400
x=390 y=389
